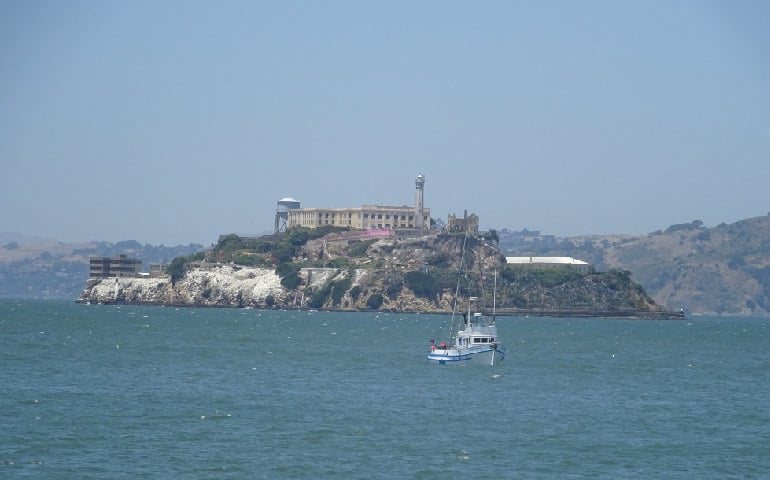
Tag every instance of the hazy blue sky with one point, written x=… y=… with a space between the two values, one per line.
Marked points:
x=175 y=121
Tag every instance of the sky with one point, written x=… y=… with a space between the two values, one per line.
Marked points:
x=172 y=122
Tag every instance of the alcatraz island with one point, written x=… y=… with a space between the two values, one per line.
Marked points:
x=373 y=257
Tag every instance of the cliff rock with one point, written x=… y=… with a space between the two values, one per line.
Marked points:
x=213 y=286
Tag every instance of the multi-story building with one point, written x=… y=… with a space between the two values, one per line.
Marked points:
x=120 y=266
x=469 y=224
x=366 y=217
x=158 y=269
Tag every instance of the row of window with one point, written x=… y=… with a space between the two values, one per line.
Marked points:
x=378 y=216
x=386 y=226
x=387 y=216
x=480 y=340
x=484 y=340
x=326 y=215
x=327 y=218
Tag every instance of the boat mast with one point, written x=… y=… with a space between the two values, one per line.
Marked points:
x=457 y=288
x=494 y=297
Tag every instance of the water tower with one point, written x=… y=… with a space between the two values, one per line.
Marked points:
x=282 y=213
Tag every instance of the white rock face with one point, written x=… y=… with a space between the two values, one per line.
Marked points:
x=222 y=285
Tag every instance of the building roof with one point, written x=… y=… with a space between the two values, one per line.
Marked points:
x=544 y=260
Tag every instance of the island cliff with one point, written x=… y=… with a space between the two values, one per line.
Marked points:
x=341 y=270
x=211 y=286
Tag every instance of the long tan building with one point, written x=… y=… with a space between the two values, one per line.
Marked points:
x=366 y=217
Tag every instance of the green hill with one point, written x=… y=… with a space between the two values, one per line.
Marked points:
x=718 y=270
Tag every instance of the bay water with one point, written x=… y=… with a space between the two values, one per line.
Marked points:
x=119 y=392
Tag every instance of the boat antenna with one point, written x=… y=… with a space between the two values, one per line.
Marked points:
x=494 y=297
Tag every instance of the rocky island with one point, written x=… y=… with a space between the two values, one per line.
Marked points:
x=338 y=269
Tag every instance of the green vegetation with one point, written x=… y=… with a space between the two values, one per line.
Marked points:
x=358 y=249
x=392 y=290
x=250 y=260
x=267 y=250
x=545 y=277
x=178 y=266
x=374 y=301
x=565 y=288
x=291 y=282
x=355 y=292
x=491 y=236
x=683 y=227
x=335 y=290
x=339 y=287
x=283 y=252
x=422 y=284
x=286 y=269
x=299 y=236
x=551 y=277
x=440 y=260
x=229 y=243
x=176 y=269
x=339 y=262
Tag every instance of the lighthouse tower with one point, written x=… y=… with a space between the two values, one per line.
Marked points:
x=419 y=184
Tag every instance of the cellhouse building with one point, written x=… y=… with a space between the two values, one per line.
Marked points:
x=366 y=217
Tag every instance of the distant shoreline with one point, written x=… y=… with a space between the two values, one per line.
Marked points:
x=503 y=312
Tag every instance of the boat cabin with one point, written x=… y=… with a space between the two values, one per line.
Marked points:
x=466 y=341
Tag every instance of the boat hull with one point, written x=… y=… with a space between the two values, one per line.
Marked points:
x=453 y=356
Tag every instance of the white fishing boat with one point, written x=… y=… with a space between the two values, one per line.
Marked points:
x=477 y=342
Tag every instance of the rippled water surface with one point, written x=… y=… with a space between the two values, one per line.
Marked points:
x=112 y=392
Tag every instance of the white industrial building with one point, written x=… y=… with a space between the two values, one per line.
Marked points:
x=550 y=262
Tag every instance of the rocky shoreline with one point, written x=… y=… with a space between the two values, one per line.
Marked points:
x=221 y=286
x=230 y=286
x=593 y=313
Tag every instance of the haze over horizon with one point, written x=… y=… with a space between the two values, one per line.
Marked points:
x=174 y=122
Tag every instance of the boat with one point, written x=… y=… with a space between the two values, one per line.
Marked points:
x=477 y=342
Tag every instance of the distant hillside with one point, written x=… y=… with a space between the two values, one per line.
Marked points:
x=47 y=269
x=719 y=270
